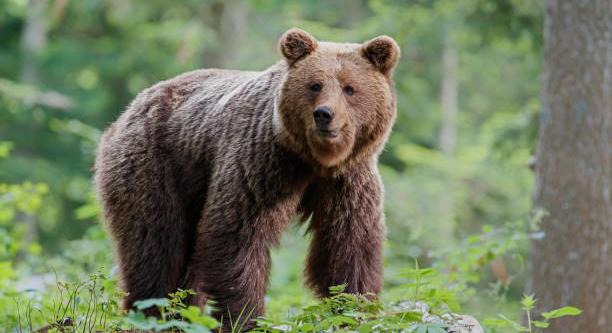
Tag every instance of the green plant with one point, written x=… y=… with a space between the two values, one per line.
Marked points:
x=175 y=315
x=428 y=285
x=83 y=306
x=429 y=328
x=531 y=326
x=343 y=312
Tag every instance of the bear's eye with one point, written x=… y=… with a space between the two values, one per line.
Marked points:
x=315 y=87
x=348 y=90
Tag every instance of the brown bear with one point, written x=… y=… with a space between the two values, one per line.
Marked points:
x=202 y=173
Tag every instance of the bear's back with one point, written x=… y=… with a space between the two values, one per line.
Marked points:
x=183 y=101
x=202 y=89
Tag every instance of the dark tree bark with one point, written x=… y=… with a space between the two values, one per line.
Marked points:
x=572 y=263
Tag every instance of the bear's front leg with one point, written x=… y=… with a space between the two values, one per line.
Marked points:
x=348 y=232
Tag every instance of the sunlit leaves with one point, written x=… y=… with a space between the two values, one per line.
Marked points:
x=18 y=205
x=562 y=312
x=5 y=148
x=26 y=198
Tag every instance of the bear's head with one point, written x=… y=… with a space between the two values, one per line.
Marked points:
x=337 y=100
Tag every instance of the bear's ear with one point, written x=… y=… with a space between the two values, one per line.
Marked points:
x=296 y=44
x=383 y=52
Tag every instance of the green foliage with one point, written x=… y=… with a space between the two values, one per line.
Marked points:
x=562 y=312
x=5 y=148
x=23 y=198
x=424 y=303
x=532 y=326
x=193 y=320
x=465 y=262
x=18 y=204
x=349 y=313
x=82 y=306
x=429 y=286
x=92 y=306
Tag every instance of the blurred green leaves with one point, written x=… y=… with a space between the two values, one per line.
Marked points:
x=25 y=198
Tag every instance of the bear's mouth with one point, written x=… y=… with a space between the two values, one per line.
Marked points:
x=327 y=133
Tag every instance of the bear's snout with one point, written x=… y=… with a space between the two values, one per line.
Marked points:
x=323 y=117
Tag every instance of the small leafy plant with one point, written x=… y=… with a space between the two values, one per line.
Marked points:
x=532 y=326
x=175 y=315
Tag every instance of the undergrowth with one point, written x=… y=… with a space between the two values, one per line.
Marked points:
x=417 y=299
x=92 y=306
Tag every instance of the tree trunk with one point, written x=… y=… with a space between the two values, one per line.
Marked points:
x=447 y=140
x=448 y=96
x=229 y=22
x=572 y=263
x=33 y=40
x=33 y=43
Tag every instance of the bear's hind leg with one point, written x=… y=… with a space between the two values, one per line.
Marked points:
x=231 y=267
x=146 y=218
x=152 y=264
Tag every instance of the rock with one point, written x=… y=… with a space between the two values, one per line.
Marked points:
x=455 y=323
x=465 y=324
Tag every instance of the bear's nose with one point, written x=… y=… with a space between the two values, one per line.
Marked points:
x=323 y=116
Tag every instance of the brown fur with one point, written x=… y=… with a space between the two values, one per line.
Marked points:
x=203 y=172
